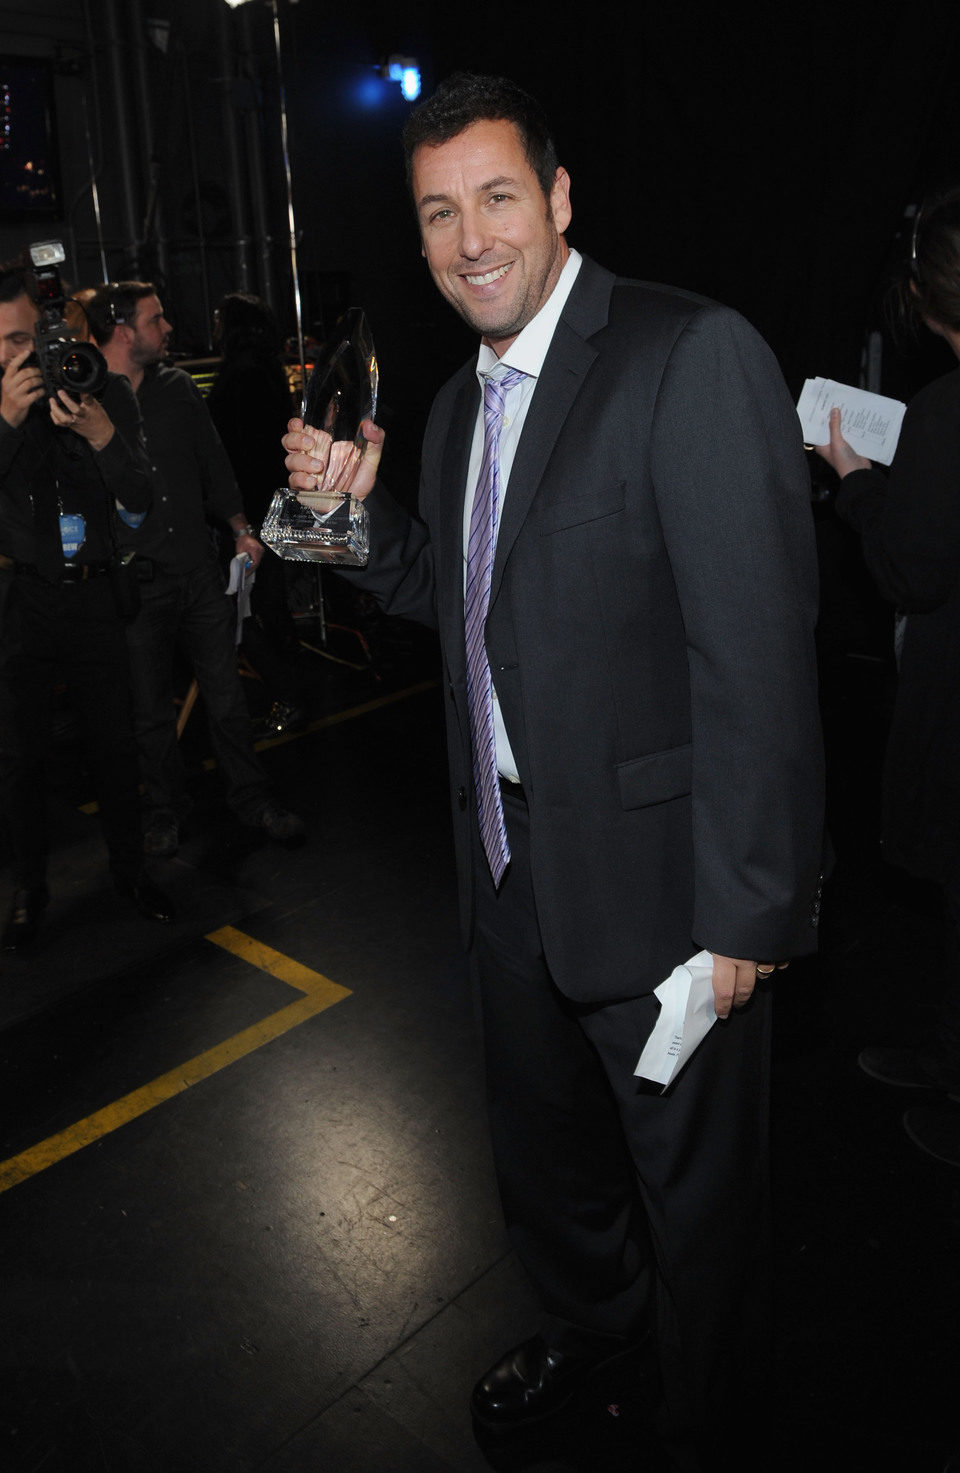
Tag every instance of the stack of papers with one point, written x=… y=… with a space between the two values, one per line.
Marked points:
x=687 y=1013
x=870 y=422
x=242 y=576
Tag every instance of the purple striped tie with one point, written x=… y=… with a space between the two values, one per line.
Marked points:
x=480 y=549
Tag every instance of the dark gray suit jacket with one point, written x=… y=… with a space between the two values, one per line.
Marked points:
x=650 y=635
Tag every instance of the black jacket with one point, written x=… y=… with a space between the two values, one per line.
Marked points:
x=650 y=635
x=909 y=522
x=44 y=469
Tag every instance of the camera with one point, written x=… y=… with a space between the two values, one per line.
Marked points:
x=65 y=362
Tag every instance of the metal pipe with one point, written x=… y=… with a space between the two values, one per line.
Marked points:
x=94 y=190
x=258 y=189
x=291 y=219
x=241 y=239
x=198 y=199
x=124 y=130
x=152 y=226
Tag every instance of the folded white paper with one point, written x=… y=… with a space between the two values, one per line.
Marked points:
x=242 y=576
x=687 y=1013
x=869 y=422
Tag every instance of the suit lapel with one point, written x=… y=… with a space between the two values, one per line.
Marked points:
x=567 y=363
x=557 y=387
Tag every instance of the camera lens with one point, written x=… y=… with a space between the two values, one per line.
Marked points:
x=77 y=366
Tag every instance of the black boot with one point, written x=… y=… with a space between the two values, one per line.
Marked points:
x=26 y=912
x=149 y=899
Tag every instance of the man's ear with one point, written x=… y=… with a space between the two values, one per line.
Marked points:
x=560 y=207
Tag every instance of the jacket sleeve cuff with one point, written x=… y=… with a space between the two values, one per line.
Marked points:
x=859 y=489
x=123 y=478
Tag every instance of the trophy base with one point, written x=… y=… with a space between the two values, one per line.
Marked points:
x=302 y=552
x=339 y=536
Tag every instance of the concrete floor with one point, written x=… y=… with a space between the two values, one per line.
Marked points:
x=281 y=1248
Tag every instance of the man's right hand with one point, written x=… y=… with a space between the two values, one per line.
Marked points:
x=309 y=457
x=21 y=386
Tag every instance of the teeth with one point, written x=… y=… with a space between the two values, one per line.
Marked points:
x=489 y=276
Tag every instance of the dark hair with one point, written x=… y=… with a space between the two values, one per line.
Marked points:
x=464 y=99
x=14 y=284
x=930 y=283
x=246 y=323
x=115 y=304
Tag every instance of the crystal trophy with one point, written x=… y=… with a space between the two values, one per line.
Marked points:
x=327 y=524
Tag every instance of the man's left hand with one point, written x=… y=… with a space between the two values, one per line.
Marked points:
x=735 y=979
x=838 y=452
x=252 y=548
x=86 y=417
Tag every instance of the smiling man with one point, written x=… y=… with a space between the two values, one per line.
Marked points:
x=492 y=234
x=617 y=548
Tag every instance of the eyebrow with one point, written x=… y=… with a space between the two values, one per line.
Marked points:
x=488 y=184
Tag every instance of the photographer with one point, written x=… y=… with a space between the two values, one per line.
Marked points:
x=69 y=465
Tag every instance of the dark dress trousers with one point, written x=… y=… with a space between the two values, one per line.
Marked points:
x=650 y=635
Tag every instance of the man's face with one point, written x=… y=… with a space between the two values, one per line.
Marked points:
x=18 y=321
x=151 y=332
x=493 y=243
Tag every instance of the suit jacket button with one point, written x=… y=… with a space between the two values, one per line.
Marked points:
x=461 y=798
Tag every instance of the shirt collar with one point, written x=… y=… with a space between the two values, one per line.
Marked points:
x=529 y=348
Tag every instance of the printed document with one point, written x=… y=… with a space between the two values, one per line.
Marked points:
x=870 y=422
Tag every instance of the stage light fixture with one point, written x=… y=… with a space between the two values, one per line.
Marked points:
x=406 y=71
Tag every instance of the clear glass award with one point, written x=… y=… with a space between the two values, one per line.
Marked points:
x=327 y=524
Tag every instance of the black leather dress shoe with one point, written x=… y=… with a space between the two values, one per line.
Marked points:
x=534 y=1380
x=148 y=898
x=25 y=915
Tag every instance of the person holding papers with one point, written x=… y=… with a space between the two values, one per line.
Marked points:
x=909 y=521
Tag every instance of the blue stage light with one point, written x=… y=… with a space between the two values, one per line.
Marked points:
x=406 y=71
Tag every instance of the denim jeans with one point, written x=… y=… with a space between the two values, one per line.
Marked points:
x=192 y=612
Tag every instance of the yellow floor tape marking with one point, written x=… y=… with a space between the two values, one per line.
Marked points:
x=319 y=725
x=319 y=993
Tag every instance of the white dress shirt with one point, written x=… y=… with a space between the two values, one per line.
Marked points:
x=526 y=353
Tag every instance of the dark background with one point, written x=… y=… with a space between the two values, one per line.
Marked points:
x=766 y=158
x=763 y=158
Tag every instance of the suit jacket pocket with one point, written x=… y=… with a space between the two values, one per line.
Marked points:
x=589 y=506
x=656 y=778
